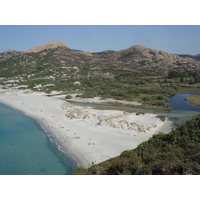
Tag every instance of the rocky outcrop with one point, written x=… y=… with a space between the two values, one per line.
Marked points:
x=5 y=55
x=138 y=59
x=50 y=45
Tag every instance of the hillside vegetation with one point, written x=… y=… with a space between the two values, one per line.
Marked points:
x=164 y=154
x=135 y=74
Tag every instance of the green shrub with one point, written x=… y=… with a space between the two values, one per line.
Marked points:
x=163 y=154
x=68 y=97
x=161 y=117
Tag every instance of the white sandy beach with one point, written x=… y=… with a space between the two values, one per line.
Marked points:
x=77 y=130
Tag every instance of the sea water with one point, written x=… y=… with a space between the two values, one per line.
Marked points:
x=26 y=149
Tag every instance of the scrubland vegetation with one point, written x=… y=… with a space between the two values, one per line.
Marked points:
x=175 y=153
x=151 y=91
x=106 y=74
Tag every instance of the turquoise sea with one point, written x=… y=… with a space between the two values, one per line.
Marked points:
x=26 y=149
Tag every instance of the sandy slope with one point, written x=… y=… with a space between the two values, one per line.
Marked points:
x=77 y=130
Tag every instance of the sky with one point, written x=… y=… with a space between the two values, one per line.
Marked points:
x=177 y=39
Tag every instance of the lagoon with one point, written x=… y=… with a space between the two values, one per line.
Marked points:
x=181 y=110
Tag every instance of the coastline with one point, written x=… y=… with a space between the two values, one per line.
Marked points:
x=54 y=141
x=50 y=135
x=53 y=135
x=75 y=129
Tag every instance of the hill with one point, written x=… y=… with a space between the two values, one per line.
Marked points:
x=134 y=74
x=149 y=61
x=196 y=57
x=164 y=154
x=58 y=58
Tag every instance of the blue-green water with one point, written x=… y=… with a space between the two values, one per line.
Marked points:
x=180 y=113
x=25 y=147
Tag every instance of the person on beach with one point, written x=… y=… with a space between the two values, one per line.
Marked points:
x=99 y=123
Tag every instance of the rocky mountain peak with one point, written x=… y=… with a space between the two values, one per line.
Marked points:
x=50 y=45
x=9 y=51
x=138 y=47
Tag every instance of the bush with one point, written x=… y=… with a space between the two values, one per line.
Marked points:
x=161 y=117
x=140 y=113
x=68 y=97
x=163 y=154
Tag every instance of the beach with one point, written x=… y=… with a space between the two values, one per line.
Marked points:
x=90 y=136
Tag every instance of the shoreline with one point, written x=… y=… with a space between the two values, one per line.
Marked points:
x=55 y=142
x=51 y=137
x=75 y=156
x=79 y=137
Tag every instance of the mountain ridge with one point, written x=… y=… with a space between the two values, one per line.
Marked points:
x=57 y=60
x=196 y=57
x=133 y=49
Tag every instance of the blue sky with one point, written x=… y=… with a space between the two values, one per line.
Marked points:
x=173 y=39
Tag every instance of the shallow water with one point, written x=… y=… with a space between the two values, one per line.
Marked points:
x=180 y=113
x=26 y=149
x=178 y=102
